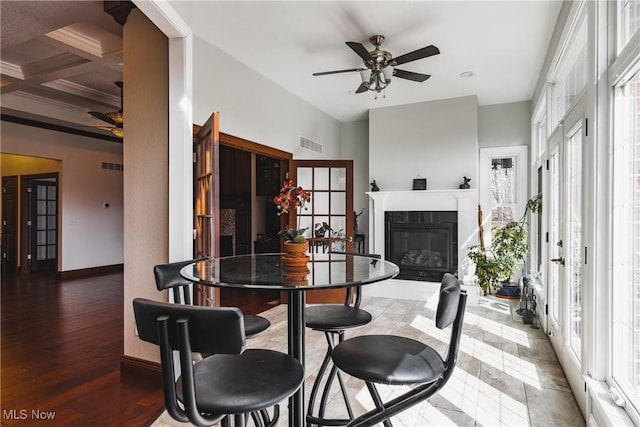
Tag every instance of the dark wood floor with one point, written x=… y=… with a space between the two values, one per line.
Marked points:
x=61 y=347
x=62 y=341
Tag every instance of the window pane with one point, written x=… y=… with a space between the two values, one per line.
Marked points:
x=503 y=187
x=41 y=253
x=305 y=177
x=625 y=328
x=338 y=179
x=338 y=203
x=628 y=21
x=574 y=248
x=320 y=203
x=570 y=77
x=51 y=193
x=321 y=179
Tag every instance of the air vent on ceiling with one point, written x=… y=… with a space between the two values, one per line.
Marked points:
x=112 y=166
x=310 y=145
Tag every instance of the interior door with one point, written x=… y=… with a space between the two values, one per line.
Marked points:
x=40 y=222
x=207 y=200
x=330 y=183
x=567 y=263
x=9 y=224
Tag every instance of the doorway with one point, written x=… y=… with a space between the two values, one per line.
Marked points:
x=567 y=216
x=10 y=202
x=39 y=223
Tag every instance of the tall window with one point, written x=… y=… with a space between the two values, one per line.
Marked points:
x=626 y=240
x=570 y=76
x=628 y=21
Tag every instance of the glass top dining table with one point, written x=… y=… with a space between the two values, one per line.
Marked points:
x=269 y=272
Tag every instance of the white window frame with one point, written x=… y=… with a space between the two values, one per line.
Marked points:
x=522 y=165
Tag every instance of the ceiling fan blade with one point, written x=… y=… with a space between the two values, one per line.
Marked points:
x=360 y=50
x=410 y=75
x=324 y=73
x=103 y=117
x=362 y=88
x=415 y=55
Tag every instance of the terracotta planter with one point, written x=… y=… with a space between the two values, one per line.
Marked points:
x=294 y=263
x=296 y=250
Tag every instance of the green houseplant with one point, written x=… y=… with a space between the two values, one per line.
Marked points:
x=497 y=264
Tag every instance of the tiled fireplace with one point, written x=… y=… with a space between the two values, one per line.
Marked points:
x=425 y=232
x=422 y=243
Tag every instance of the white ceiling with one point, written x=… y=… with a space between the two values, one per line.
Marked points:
x=59 y=76
x=502 y=42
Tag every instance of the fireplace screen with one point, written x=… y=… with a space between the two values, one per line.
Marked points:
x=423 y=244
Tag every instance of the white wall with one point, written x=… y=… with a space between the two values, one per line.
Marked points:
x=90 y=235
x=355 y=146
x=255 y=108
x=504 y=125
x=437 y=140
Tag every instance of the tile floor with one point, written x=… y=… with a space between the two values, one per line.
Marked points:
x=507 y=373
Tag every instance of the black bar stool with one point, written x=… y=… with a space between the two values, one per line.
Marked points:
x=168 y=277
x=334 y=320
x=232 y=381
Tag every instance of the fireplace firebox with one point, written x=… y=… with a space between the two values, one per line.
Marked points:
x=424 y=244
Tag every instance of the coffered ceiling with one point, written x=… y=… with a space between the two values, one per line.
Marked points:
x=60 y=59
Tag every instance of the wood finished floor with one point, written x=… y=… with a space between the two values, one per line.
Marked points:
x=61 y=346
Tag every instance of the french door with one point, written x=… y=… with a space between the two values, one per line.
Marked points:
x=39 y=223
x=567 y=219
x=330 y=183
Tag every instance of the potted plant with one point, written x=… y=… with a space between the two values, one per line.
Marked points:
x=321 y=229
x=292 y=197
x=497 y=264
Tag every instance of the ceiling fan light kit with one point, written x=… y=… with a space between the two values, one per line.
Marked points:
x=114 y=118
x=380 y=65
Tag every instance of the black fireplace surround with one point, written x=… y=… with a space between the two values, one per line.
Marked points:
x=424 y=244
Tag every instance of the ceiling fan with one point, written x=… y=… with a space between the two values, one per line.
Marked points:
x=114 y=118
x=380 y=65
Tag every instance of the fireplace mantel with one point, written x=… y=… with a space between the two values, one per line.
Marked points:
x=463 y=201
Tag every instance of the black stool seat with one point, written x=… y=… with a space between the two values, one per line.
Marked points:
x=238 y=384
x=388 y=359
x=335 y=317
x=253 y=325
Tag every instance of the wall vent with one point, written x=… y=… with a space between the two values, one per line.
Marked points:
x=112 y=166
x=310 y=145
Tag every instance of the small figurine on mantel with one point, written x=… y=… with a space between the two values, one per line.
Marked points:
x=465 y=185
x=374 y=186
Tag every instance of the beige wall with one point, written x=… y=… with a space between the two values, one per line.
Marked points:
x=146 y=159
x=15 y=165
x=84 y=187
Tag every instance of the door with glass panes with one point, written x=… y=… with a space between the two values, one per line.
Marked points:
x=566 y=273
x=328 y=218
x=41 y=222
